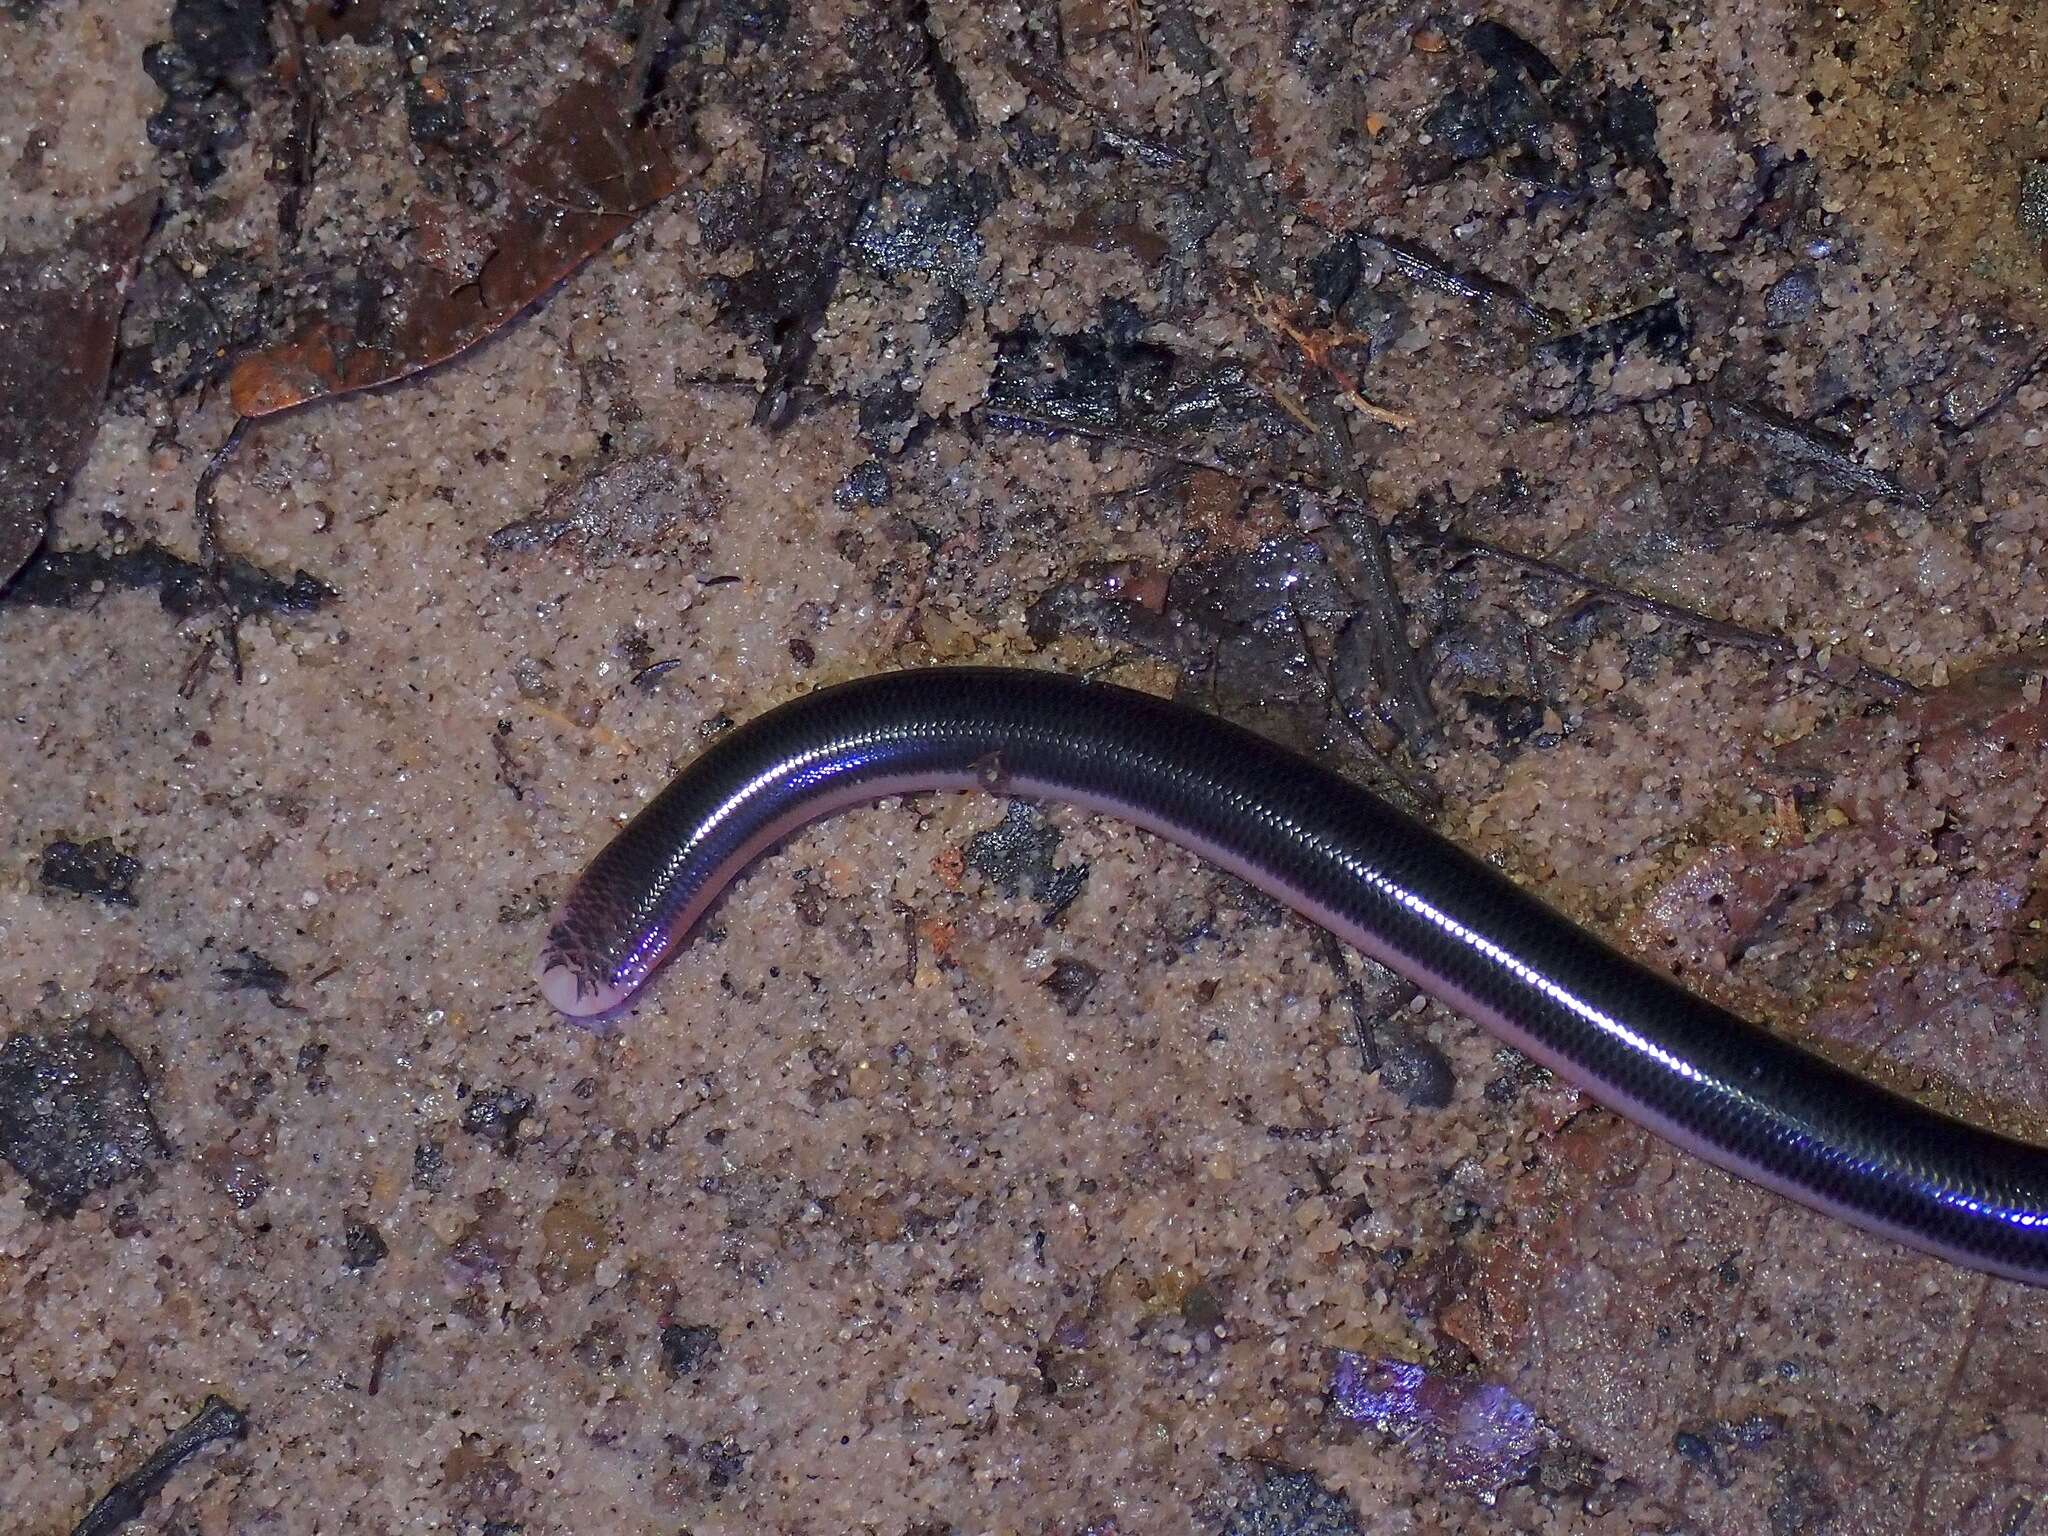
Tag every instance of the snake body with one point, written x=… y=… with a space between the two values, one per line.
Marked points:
x=1713 y=1083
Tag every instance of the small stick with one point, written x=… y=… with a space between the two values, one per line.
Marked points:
x=1703 y=624
x=207 y=516
x=1153 y=153
x=217 y=1419
x=1000 y=413
x=656 y=27
x=1873 y=677
x=1767 y=427
x=1363 y=1032
x=1424 y=790
x=1421 y=266
x=301 y=141
x=1316 y=346
x=2004 y=397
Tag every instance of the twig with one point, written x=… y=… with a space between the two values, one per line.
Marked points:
x=998 y=413
x=206 y=515
x=796 y=332
x=301 y=140
x=657 y=26
x=715 y=381
x=217 y=1419
x=1424 y=791
x=2032 y=371
x=1490 y=294
x=909 y=943
x=1364 y=1026
x=1363 y=561
x=195 y=669
x=1154 y=153
x=1947 y=1402
x=649 y=675
x=946 y=82
x=1829 y=456
x=1267 y=309
x=1705 y=625
x=1357 y=552
x=1230 y=184
x=1355 y=507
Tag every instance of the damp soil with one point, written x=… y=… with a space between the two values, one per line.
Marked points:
x=1613 y=432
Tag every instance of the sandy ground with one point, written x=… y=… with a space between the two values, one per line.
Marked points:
x=979 y=1171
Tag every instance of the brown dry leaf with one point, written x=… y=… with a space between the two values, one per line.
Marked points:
x=588 y=177
x=60 y=312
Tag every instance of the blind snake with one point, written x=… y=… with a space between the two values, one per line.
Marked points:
x=1734 y=1094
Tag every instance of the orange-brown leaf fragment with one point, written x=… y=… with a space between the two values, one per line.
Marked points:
x=590 y=174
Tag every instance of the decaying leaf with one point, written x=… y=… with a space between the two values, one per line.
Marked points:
x=590 y=174
x=60 y=311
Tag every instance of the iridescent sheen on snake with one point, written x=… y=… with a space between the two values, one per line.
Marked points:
x=1737 y=1095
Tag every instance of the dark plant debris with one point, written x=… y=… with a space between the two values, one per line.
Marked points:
x=1261 y=1499
x=60 y=313
x=251 y=972
x=2031 y=370
x=867 y=485
x=947 y=85
x=206 y=518
x=74 y=1115
x=217 y=1419
x=687 y=1348
x=1047 y=83
x=932 y=229
x=292 y=162
x=1410 y=1066
x=1843 y=670
x=362 y=1246
x=1491 y=297
x=430 y=1166
x=1359 y=552
x=1560 y=133
x=217 y=49
x=194 y=305
x=1120 y=601
x=1071 y=981
x=1055 y=410
x=97 y=869
x=1317 y=346
x=622 y=506
x=1242 y=626
x=76 y=578
x=1017 y=856
x=1580 y=372
x=1233 y=195
x=494 y=1115
x=1110 y=381
x=1830 y=457
x=827 y=147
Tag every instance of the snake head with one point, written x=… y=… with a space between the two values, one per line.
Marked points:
x=572 y=983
